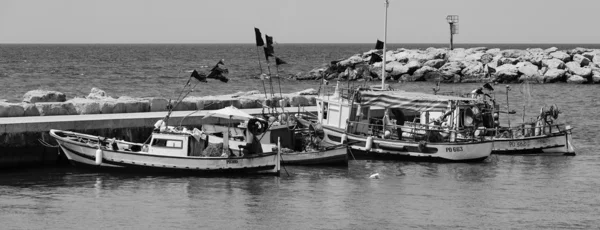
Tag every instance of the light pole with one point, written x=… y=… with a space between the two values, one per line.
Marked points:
x=453 y=21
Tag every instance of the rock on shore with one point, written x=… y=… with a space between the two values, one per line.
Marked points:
x=480 y=64
x=50 y=103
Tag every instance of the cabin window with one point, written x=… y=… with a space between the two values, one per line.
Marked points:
x=165 y=143
x=325 y=109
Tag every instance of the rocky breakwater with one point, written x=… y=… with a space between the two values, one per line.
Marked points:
x=49 y=103
x=579 y=65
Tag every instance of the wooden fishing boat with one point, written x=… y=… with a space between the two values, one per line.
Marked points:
x=171 y=151
x=373 y=121
x=542 y=135
x=300 y=144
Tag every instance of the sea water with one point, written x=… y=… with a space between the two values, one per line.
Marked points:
x=503 y=192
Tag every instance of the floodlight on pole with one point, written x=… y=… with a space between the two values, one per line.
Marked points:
x=453 y=21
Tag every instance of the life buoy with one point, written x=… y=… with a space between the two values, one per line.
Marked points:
x=257 y=126
x=422 y=146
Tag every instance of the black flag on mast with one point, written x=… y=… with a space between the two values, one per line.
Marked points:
x=269 y=40
x=269 y=52
x=374 y=58
x=379 y=45
x=258 y=35
x=279 y=61
x=198 y=76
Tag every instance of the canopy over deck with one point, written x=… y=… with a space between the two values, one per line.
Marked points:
x=408 y=100
x=229 y=113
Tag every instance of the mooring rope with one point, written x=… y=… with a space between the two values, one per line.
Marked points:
x=46 y=144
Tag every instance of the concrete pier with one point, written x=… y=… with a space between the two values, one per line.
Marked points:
x=19 y=145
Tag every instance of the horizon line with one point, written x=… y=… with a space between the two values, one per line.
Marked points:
x=291 y=43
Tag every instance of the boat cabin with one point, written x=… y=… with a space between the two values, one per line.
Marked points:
x=178 y=144
x=401 y=114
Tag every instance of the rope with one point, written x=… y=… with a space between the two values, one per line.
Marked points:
x=46 y=144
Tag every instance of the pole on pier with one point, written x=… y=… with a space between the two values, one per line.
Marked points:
x=453 y=22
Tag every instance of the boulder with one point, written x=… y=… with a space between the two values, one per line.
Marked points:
x=593 y=56
x=419 y=75
x=317 y=73
x=583 y=61
x=474 y=57
x=560 y=55
x=389 y=67
x=435 y=63
x=575 y=69
x=299 y=101
x=389 y=56
x=506 y=73
x=507 y=61
x=410 y=78
x=554 y=75
x=55 y=108
x=35 y=96
x=535 y=58
x=514 y=53
x=550 y=50
x=457 y=55
x=596 y=77
x=30 y=110
x=451 y=68
x=399 y=70
x=553 y=63
x=473 y=72
x=575 y=79
x=310 y=91
x=138 y=105
x=494 y=52
x=11 y=110
x=433 y=76
x=97 y=93
x=529 y=70
x=85 y=106
x=157 y=104
x=375 y=71
x=476 y=50
x=401 y=57
x=356 y=59
x=436 y=53
x=578 y=50
x=413 y=65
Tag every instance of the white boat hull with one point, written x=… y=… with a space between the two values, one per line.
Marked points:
x=86 y=154
x=411 y=151
x=553 y=144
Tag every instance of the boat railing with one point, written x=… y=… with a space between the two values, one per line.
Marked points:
x=413 y=132
x=527 y=130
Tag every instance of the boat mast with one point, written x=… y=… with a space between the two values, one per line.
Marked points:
x=387 y=3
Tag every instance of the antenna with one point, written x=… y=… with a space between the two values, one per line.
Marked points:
x=453 y=21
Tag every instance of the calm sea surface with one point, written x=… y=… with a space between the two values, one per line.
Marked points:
x=503 y=192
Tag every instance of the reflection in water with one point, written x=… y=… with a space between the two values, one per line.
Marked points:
x=501 y=192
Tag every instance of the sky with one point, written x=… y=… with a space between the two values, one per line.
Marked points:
x=297 y=21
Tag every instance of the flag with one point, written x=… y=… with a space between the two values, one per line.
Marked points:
x=199 y=77
x=379 y=45
x=268 y=52
x=259 y=40
x=375 y=58
x=278 y=61
x=269 y=40
x=218 y=69
x=488 y=87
